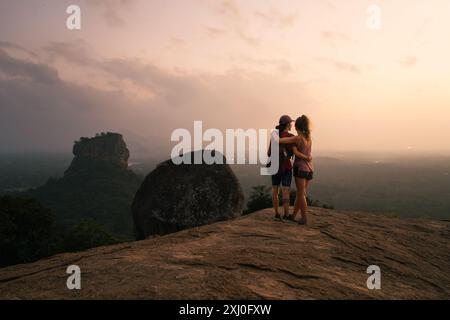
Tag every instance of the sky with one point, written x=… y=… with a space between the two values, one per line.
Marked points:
x=145 y=68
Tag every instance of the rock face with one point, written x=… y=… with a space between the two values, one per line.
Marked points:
x=177 y=197
x=254 y=257
x=106 y=148
x=97 y=186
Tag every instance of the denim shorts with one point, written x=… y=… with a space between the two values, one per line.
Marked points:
x=284 y=178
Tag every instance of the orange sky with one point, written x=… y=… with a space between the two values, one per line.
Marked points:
x=231 y=64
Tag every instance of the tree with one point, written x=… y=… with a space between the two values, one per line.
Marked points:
x=85 y=235
x=260 y=198
x=27 y=231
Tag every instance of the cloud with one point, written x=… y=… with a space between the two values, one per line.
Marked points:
x=341 y=65
x=176 y=42
x=15 y=47
x=407 y=62
x=75 y=52
x=146 y=76
x=282 y=66
x=40 y=110
x=113 y=10
x=12 y=68
x=235 y=22
x=229 y=9
x=250 y=40
x=214 y=32
x=239 y=23
x=330 y=5
x=276 y=19
x=422 y=28
x=335 y=38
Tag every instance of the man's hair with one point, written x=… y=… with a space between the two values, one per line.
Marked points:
x=282 y=127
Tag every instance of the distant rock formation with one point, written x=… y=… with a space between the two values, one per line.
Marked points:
x=254 y=257
x=104 y=149
x=176 y=197
x=98 y=185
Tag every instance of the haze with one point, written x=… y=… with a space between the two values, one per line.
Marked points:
x=145 y=68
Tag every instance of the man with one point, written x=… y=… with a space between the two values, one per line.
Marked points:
x=283 y=177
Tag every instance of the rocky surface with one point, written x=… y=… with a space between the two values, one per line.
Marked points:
x=177 y=197
x=106 y=148
x=254 y=257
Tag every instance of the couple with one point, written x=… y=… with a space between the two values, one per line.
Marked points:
x=298 y=147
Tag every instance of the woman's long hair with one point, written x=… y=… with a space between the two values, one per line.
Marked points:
x=303 y=125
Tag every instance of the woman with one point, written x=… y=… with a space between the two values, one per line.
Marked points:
x=303 y=167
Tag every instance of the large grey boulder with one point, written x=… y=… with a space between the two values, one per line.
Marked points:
x=176 y=197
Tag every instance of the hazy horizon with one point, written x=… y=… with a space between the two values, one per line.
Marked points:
x=145 y=68
x=136 y=153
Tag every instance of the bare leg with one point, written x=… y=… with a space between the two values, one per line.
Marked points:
x=301 y=191
x=306 y=188
x=285 y=193
x=297 y=198
x=296 y=207
x=275 y=200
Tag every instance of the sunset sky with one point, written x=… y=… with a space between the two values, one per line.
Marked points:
x=144 y=68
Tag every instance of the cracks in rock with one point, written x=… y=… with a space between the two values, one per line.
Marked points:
x=61 y=265
x=349 y=261
x=255 y=235
x=342 y=241
x=275 y=270
x=300 y=276
x=254 y=266
x=395 y=260
x=290 y=285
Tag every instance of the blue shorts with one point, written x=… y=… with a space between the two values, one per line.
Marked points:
x=284 y=178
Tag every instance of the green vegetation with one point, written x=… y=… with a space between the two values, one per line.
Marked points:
x=261 y=198
x=100 y=192
x=20 y=172
x=85 y=235
x=96 y=186
x=28 y=232
x=409 y=186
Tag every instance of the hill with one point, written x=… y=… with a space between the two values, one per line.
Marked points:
x=97 y=185
x=254 y=257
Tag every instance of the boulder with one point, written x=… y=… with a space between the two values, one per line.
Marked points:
x=177 y=197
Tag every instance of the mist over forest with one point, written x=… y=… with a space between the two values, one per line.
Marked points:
x=394 y=184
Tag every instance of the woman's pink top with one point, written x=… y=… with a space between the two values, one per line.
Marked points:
x=302 y=164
